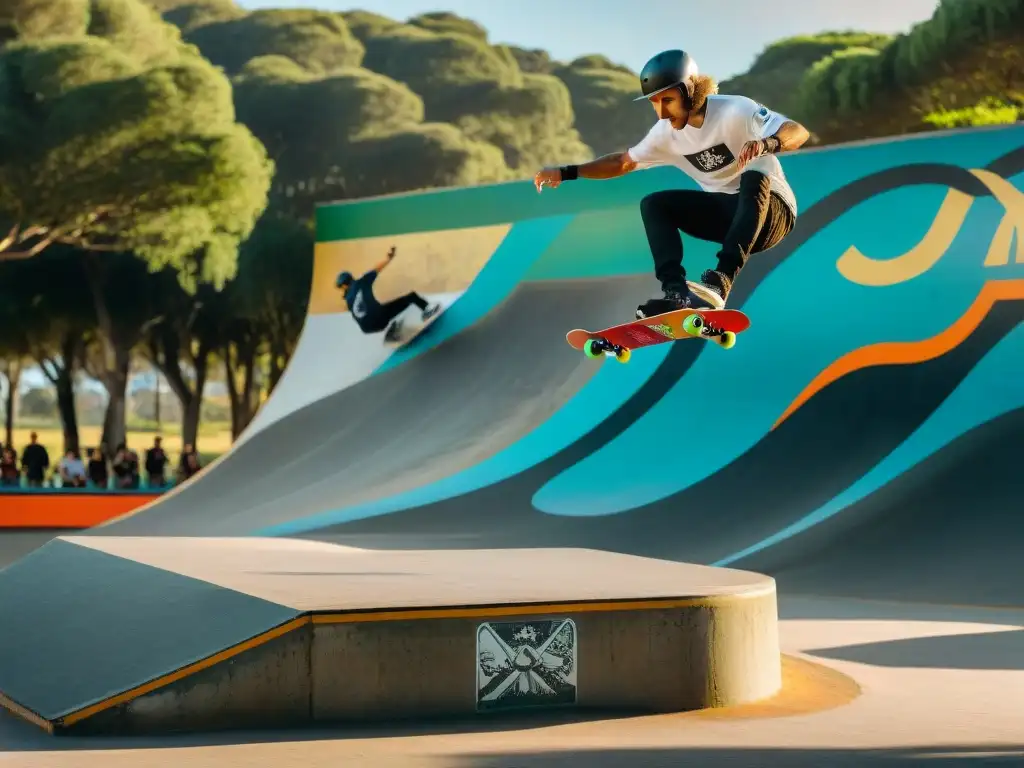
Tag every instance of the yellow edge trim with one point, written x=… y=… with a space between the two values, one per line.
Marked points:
x=378 y=616
x=528 y=609
x=16 y=709
x=184 y=672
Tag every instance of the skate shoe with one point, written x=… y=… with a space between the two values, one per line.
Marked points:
x=676 y=299
x=713 y=287
x=394 y=331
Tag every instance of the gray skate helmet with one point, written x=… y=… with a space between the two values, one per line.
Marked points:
x=666 y=70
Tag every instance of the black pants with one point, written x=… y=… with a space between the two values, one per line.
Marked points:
x=379 y=320
x=751 y=221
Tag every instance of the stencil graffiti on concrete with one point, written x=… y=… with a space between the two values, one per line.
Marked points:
x=526 y=664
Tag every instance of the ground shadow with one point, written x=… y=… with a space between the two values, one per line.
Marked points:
x=1000 y=650
x=732 y=757
x=17 y=735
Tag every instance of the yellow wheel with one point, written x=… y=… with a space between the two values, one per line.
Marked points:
x=727 y=340
x=624 y=355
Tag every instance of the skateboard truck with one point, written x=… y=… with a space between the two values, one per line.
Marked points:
x=599 y=346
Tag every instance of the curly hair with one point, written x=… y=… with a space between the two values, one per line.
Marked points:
x=701 y=86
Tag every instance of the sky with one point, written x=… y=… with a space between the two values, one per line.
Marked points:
x=724 y=36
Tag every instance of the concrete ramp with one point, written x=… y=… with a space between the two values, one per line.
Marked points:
x=84 y=630
x=147 y=635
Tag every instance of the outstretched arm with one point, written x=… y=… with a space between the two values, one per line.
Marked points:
x=607 y=166
x=390 y=256
x=604 y=167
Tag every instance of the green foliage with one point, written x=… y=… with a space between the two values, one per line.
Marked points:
x=119 y=146
x=319 y=41
x=840 y=82
x=428 y=62
x=134 y=29
x=778 y=72
x=602 y=98
x=856 y=80
x=443 y=22
x=597 y=61
x=426 y=156
x=536 y=61
x=35 y=19
x=989 y=111
x=804 y=50
x=967 y=53
x=532 y=124
x=365 y=24
x=350 y=104
x=187 y=15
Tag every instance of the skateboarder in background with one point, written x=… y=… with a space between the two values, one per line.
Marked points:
x=370 y=314
x=728 y=145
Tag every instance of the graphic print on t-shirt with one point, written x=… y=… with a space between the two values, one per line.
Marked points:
x=359 y=306
x=709 y=160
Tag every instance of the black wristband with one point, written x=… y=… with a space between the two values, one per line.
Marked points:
x=569 y=172
x=771 y=145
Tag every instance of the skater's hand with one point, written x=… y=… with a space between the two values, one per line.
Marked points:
x=751 y=151
x=551 y=177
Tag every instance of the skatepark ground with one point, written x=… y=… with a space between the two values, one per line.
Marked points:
x=887 y=506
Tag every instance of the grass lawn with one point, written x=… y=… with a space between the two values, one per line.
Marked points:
x=214 y=440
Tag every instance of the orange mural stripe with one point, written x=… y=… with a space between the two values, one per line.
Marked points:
x=72 y=509
x=905 y=352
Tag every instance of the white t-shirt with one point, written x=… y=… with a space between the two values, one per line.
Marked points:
x=708 y=154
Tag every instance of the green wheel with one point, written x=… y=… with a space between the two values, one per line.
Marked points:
x=727 y=340
x=589 y=349
x=693 y=325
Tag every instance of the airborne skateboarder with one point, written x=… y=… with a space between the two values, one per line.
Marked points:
x=728 y=145
x=370 y=314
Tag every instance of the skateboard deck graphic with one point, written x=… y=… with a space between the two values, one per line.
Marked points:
x=718 y=325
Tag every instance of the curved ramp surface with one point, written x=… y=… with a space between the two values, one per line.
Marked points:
x=885 y=348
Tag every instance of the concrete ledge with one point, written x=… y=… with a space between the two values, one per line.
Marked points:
x=661 y=637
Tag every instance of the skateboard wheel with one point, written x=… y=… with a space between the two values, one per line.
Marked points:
x=592 y=348
x=693 y=325
x=727 y=340
x=623 y=355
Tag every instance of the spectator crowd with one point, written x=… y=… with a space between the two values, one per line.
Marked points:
x=119 y=470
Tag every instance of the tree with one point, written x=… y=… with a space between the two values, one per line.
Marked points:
x=349 y=104
x=49 y=319
x=970 y=51
x=602 y=97
x=480 y=89
x=124 y=142
x=187 y=15
x=112 y=159
x=30 y=19
x=361 y=144
x=444 y=21
x=272 y=287
x=180 y=341
x=318 y=41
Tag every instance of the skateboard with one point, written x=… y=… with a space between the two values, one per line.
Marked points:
x=718 y=325
x=408 y=331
